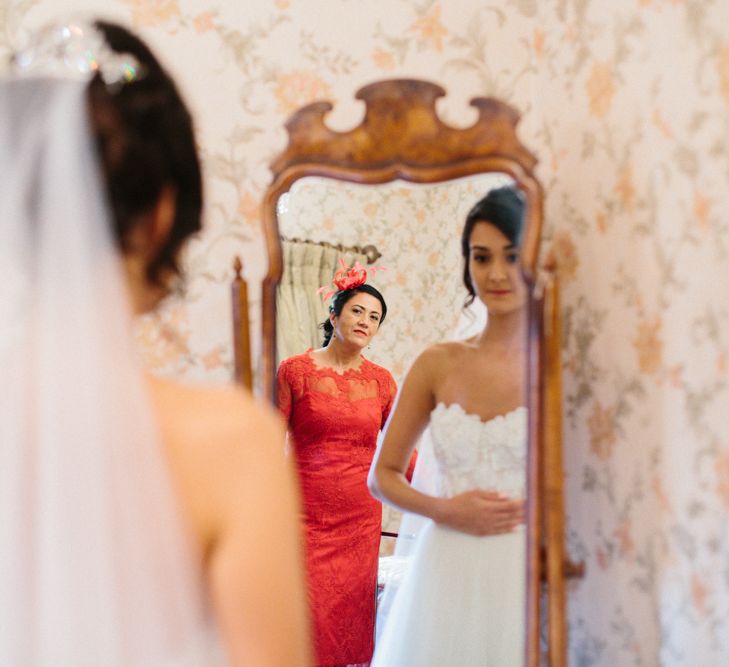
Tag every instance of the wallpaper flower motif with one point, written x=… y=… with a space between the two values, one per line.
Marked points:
x=298 y=88
x=626 y=104
x=149 y=14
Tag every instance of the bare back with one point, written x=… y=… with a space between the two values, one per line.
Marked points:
x=239 y=499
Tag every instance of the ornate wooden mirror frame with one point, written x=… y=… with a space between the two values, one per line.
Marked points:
x=402 y=137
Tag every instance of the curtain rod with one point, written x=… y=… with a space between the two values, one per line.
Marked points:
x=369 y=251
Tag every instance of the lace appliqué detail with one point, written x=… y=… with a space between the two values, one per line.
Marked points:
x=473 y=454
x=337 y=398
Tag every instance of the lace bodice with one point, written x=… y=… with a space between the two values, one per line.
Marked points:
x=471 y=453
x=323 y=406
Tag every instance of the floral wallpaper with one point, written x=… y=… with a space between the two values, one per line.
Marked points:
x=626 y=103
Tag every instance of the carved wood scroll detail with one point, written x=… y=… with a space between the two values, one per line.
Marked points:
x=401 y=128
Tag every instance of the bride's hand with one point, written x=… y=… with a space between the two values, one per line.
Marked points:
x=480 y=512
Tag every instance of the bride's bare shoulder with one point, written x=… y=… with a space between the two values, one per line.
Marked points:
x=211 y=416
x=447 y=351
x=437 y=360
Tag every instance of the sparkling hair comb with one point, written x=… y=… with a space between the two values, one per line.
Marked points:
x=348 y=278
x=75 y=49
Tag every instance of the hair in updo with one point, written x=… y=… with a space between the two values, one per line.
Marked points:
x=340 y=298
x=146 y=142
x=503 y=208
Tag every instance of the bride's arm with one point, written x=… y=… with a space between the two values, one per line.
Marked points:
x=478 y=512
x=407 y=420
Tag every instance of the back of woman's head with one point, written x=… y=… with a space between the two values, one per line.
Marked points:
x=503 y=208
x=147 y=144
x=340 y=299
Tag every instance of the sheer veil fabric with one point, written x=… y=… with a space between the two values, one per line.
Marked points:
x=96 y=566
x=425 y=480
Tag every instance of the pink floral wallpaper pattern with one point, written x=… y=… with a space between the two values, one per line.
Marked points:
x=626 y=103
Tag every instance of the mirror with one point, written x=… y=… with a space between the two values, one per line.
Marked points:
x=395 y=192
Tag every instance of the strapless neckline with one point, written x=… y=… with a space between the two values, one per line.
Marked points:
x=457 y=407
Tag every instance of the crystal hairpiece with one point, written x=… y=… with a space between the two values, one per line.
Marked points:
x=75 y=49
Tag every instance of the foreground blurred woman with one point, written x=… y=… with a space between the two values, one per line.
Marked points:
x=141 y=522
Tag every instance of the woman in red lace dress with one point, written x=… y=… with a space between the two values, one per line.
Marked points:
x=335 y=403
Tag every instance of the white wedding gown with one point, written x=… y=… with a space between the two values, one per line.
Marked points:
x=461 y=600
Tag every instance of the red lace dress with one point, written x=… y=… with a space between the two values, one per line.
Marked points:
x=334 y=420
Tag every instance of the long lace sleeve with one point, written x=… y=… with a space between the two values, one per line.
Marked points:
x=389 y=393
x=283 y=392
x=389 y=401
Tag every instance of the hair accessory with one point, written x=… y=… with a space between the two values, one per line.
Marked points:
x=348 y=278
x=75 y=49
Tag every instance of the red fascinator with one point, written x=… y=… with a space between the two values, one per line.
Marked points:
x=348 y=278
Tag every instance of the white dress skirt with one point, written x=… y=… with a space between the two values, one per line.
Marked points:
x=461 y=599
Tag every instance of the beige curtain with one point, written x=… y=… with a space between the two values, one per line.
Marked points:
x=307 y=266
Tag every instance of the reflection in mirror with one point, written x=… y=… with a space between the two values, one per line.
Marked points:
x=414 y=231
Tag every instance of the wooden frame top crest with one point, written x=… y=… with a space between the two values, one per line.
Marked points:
x=400 y=132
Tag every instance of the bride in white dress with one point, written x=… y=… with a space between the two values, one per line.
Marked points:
x=461 y=599
x=143 y=522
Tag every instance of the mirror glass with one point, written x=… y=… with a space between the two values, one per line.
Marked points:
x=413 y=231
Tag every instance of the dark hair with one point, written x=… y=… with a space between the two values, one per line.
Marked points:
x=146 y=141
x=503 y=208
x=340 y=298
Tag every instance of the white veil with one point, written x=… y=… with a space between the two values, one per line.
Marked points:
x=96 y=567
